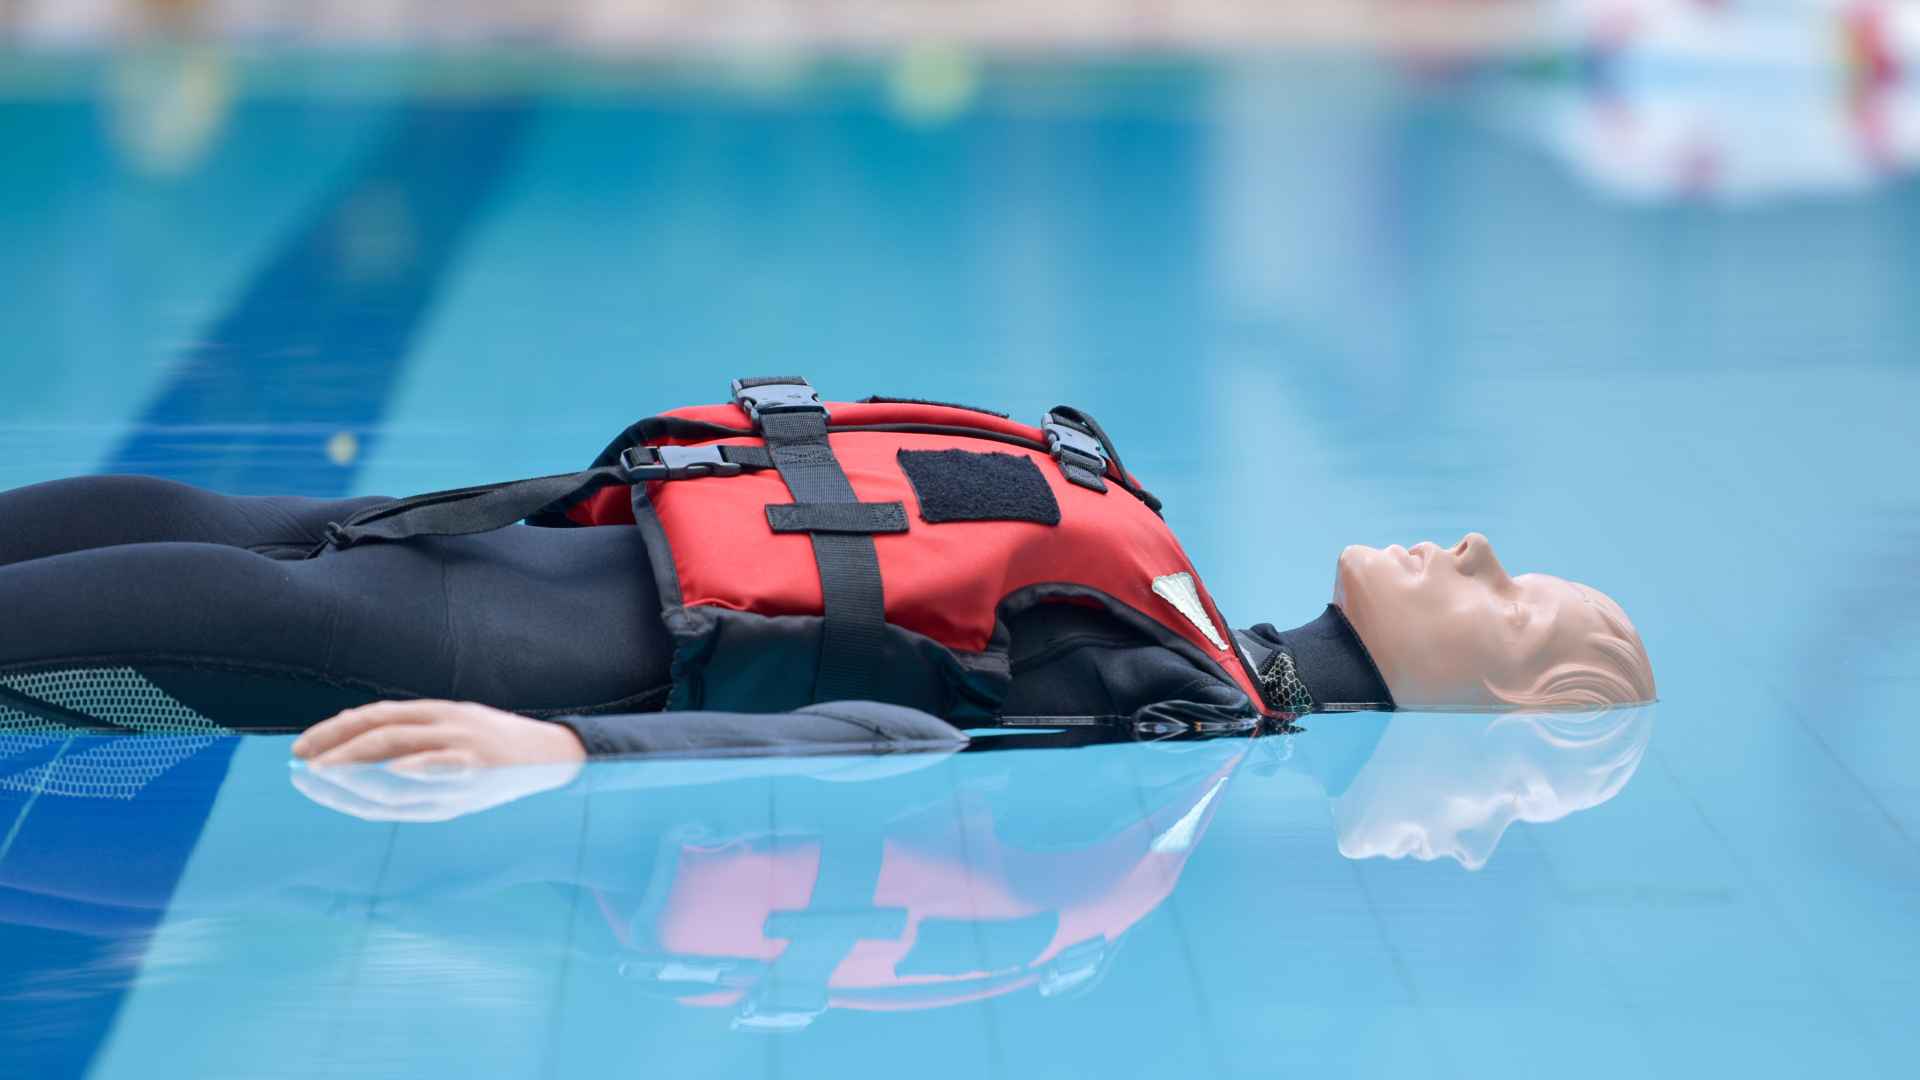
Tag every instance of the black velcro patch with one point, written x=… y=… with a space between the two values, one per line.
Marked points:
x=960 y=485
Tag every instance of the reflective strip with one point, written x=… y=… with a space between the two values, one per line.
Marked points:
x=1180 y=591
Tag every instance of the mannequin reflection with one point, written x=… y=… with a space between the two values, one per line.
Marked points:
x=1438 y=787
x=680 y=880
x=664 y=878
x=1427 y=786
x=1445 y=628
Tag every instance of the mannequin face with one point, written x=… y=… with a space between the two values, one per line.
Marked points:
x=1445 y=624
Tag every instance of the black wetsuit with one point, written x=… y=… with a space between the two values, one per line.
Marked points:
x=211 y=599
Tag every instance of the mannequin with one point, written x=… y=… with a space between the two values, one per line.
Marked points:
x=1449 y=629
x=1446 y=629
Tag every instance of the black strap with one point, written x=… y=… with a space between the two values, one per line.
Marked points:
x=1085 y=473
x=840 y=913
x=794 y=426
x=669 y=462
x=860 y=518
x=879 y=399
x=462 y=511
x=467 y=510
x=1081 y=446
x=748 y=457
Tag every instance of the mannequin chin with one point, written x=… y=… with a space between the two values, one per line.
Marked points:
x=1450 y=629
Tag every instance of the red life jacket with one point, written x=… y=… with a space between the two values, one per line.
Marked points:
x=812 y=552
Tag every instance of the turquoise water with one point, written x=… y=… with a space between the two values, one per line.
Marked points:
x=1317 y=301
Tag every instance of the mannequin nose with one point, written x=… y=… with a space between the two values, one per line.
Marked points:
x=1473 y=543
x=1475 y=552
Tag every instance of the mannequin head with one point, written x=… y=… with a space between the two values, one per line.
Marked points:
x=1447 y=787
x=1449 y=629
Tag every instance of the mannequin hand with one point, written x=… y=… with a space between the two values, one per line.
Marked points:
x=438 y=758
x=435 y=736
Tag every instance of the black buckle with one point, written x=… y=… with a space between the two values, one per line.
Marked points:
x=1067 y=440
x=675 y=462
x=795 y=396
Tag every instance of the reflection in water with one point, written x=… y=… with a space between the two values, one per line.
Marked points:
x=950 y=901
x=1448 y=785
x=773 y=889
x=769 y=891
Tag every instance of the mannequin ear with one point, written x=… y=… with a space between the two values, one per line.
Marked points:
x=1610 y=666
x=1573 y=684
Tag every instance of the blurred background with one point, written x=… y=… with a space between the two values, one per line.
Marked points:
x=1628 y=285
x=1406 y=268
x=1646 y=99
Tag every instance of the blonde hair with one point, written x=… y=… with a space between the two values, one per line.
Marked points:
x=1615 y=670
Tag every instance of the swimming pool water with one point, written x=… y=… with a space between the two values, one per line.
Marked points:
x=1318 y=300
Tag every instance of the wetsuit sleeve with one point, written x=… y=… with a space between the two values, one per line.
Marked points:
x=851 y=727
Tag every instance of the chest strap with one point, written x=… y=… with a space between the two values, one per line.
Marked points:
x=788 y=414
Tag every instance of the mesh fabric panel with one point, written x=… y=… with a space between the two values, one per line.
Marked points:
x=165 y=733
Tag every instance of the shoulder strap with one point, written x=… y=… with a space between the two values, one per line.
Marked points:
x=462 y=511
x=788 y=414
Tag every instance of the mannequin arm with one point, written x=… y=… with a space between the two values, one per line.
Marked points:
x=417 y=736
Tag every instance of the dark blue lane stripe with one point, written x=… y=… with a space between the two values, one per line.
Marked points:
x=77 y=911
x=306 y=360
x=311 y=351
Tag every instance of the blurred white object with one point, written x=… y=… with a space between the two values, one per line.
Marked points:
x=1730 y=101
x=1742 y=34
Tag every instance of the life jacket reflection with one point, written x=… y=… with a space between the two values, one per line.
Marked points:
x=961 y=900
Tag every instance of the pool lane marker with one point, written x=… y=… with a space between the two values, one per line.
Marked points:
x=285 y=392
x=301 y=367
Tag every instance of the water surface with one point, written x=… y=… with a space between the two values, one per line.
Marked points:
x=1318 y=300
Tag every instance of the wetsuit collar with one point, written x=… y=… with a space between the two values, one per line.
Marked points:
x=1324 y=659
